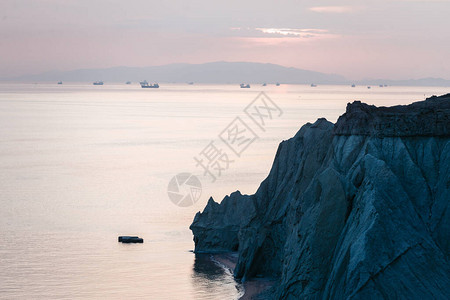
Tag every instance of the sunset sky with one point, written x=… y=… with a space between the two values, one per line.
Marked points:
x=359 y=39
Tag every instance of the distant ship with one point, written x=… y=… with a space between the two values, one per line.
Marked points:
x=368 y=87
x=59 y=82
x=264 y=84
x=190 y=83
x=277 y=84
x=146 y=85
x=313 y=85
x=128 y=82
x=353 y=85
x=245 y=86
x=98 y=83
x=380 y=85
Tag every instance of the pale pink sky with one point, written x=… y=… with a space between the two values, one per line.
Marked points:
x=358 y=39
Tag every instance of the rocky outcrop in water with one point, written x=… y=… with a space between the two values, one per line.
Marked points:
x=216 y=229
x=355 y=210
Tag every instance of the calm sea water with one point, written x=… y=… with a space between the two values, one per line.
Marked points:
x=82 y=164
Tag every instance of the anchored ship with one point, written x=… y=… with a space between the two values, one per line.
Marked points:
x=146 y=85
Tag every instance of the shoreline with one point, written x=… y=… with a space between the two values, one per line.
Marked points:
x=251 y=288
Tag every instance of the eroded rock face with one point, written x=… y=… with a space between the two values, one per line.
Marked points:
x=425 y=118
x=216 y=228
x=356 y=210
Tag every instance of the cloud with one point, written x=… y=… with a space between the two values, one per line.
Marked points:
x=251 y=37
x=295 y=32
x=425 y=1
x=333 y=9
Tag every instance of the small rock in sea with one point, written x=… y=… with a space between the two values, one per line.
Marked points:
x=130 y=239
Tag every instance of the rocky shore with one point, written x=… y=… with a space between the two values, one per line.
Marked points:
x=253 y=288
x=353 y=210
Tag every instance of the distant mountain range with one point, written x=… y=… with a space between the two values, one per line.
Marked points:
x=215 y=72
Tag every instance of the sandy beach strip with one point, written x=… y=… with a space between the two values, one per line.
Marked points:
x=252 y=287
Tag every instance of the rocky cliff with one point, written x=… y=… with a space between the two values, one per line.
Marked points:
x=353 y=210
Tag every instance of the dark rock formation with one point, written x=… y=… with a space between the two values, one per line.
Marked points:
x=126 y=239
x=425 y=118
x=356 y=210
x=216 y=229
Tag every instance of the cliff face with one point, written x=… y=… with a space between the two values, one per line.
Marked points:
x=355 y=210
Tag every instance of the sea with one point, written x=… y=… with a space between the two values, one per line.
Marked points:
x=81 y=165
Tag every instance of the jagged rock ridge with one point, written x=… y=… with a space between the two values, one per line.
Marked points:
x=356 y=210
x=425 y=118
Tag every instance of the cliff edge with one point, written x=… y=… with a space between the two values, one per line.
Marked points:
x=353 y=210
